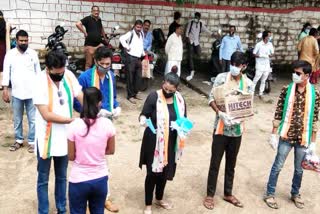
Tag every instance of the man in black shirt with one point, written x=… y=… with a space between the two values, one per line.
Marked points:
x=173 y=25
x=93 y=33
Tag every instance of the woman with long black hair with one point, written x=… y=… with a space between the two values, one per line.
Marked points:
x=90 y=138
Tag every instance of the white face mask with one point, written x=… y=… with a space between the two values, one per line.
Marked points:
x=296 y=78
x=235 y=71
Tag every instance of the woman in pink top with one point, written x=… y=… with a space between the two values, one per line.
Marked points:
x=90 y=138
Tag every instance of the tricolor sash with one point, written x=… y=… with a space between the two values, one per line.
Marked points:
x=243 y=87
x=67 y=83
x=308 y=113
x=95 y=82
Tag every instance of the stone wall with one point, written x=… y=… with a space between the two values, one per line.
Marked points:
x=39 y=17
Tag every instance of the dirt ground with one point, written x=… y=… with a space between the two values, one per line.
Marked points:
x=18 y=172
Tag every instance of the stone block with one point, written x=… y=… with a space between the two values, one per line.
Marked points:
x=76 y=9
x=10 y=14
x=24 y=5
x=120 y=17
x=86 y=9
x=108 y=17
x=37 y=14
x=36 y=6
x=161 y=20
x=23 y=14
x=64 y=16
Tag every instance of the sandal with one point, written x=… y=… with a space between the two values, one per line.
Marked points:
x=111 y=207
x=233 y=200
x=271 y=202
x=15 y=146
x=31 y=148
x=164 y=204
x=208 y=203
x=147 y=211
x=298 y=201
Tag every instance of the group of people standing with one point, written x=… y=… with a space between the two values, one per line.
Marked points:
x=50 y=96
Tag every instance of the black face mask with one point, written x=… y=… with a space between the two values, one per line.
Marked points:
x=167 y=95
x=23 y=47
x=56 y=77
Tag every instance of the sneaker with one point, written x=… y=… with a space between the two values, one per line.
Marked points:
x=190 y=77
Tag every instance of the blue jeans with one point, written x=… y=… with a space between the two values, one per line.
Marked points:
x=283 y=150
x=92 y=191
x=60 y=170
x=18 y=109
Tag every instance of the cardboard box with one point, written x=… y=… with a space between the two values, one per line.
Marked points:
x=236 y=104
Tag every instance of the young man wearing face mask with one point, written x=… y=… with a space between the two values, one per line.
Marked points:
x=227 y=133
x=229 y=44
x=132 y=42
x=194 y=28
x=54 y=91
x=262 y=51
x=101 y=77
x=21 y=65
x=295 y=121
x=93 y=33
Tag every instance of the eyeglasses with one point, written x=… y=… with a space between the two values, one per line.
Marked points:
x=61 y=100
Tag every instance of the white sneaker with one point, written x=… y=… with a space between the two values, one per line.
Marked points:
x=190 y=76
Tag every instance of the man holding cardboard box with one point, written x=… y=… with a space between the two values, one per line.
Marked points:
x=231 y=99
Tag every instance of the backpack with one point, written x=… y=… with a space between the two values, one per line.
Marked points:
x=191 y=26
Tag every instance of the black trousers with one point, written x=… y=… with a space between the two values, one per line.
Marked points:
x=192 y=50
x=134 y=71
x=222 y=144
x=154 y=180
x=225 y=67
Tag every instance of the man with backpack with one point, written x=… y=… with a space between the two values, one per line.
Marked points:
x=194 y=28
x=132 y=42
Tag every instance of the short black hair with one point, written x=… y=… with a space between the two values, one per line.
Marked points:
x=1 y=13
x=238 y=58
x=102 y=52
x=306 y=66
x=313 y=32
x=138 y=22
x=94 y=7
x=265 y=34
x=177 y=15
x=232 y=26
x=307 y=24
x=22 y=33
x=172 y=78
x=55 y=59
x=177 y=26
x=197 y=14
x=147 y=21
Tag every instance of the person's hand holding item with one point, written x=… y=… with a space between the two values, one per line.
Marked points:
x=274 y=141
x=225 y=118
x=116 y=112
x=143 y=121
x=104 y=113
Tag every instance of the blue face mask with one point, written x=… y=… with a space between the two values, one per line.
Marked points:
x=307 y=31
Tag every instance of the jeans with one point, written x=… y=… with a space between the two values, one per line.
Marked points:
x=18 y=109
x=223 y=144
x=60 y=170
x=92 y=191
x=284 y=148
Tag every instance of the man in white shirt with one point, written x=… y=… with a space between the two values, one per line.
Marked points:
x=194 y=28
x=132 y=42
x=21 y=65
x=263 y=51
x=174 y=50
x=55 y=90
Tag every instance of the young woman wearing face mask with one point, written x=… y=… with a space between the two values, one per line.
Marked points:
x=304 y=31
x=158 y=149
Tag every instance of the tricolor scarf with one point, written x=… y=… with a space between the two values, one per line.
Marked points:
x=67 y=84
x=243 y=87
x=95 y=82
x=160 y=159
x=308 y=113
